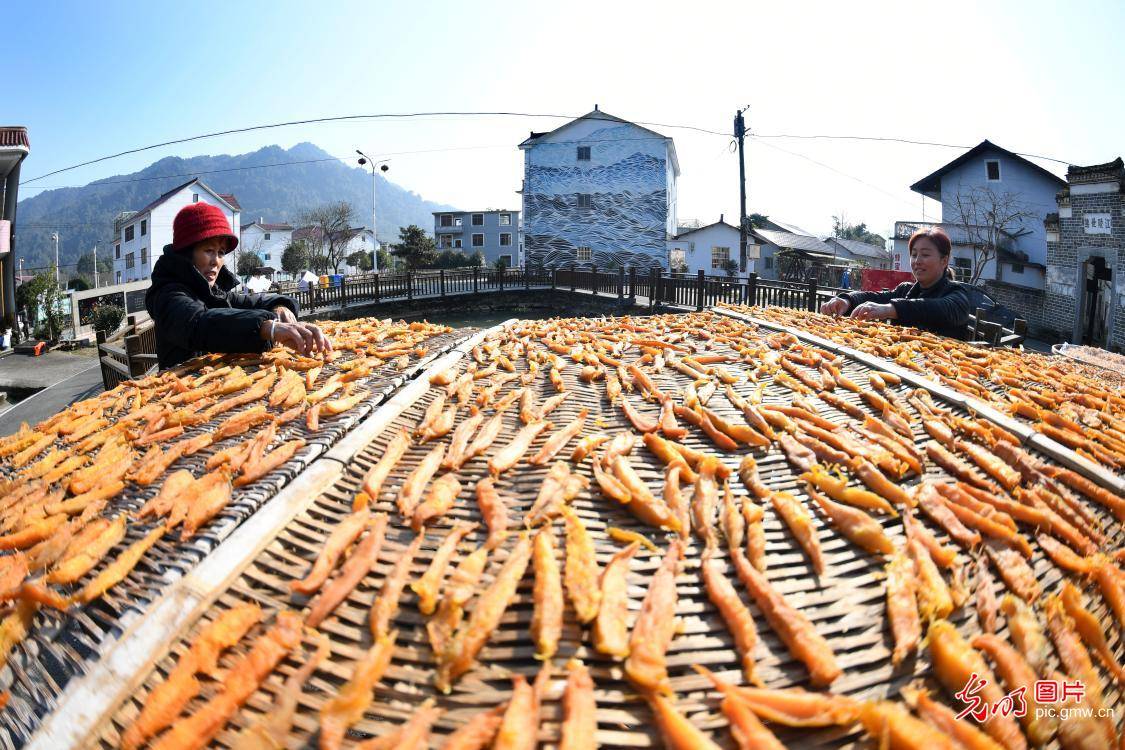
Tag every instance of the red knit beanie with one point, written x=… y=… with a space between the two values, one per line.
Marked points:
x=200 y=221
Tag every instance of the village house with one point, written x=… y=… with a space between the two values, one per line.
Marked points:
x=495 y=233
x=600 y=191
x=712 y=249
x=1085 y=242
x=989 y=181
x=787 y=252
x=140 y=236
x=266 y=240
x=860 y=253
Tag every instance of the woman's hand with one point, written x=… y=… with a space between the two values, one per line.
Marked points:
x=284 y=314
x=835 y=306
x=874 y=311
x=303 y=338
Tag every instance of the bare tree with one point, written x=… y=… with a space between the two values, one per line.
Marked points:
x=330 y=232
x=989 y=221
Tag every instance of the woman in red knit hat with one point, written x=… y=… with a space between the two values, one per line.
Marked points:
x=193 y=305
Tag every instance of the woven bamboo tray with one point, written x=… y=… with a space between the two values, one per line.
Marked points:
x=61 y=646
x=846 y=603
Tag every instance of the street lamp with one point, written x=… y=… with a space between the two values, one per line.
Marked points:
x=365 y=159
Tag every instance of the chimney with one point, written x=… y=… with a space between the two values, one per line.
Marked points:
x=720 y=218
x=261 y=220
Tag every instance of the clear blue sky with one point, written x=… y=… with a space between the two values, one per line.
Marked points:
x=1040 y=77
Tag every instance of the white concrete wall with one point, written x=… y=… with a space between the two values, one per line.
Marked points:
x=253 y=239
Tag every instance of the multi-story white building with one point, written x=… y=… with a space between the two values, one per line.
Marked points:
x=493 y=232
x=359 y=238
x=599 y=191
x=140 y=236
x=268 y=241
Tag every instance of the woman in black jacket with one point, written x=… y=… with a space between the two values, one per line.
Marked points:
x=194 y=309
x=934 y=301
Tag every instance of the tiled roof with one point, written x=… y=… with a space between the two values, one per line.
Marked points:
x=268 y=227
x=793 y=241
x=229 y=198
x=931 y=183
x=855 y=247
x=14 y=137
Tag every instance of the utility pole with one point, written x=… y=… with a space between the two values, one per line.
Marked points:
x=95 y=265
x=56 y=238
x=740 y=135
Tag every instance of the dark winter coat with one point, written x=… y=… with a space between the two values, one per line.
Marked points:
x=942 y=308
x=194 y=318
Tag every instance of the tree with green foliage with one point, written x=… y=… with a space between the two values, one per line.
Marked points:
x=79 y=284
x=86 y=265
x=841 y=229
x=42 y=298
x=731 y=267
x=453 y=259
x=757 y=221
x=415 y=247
x=386 y=261
x=248 y=263
x=501 y=264
x=107 y=317
x=361 y=259
x=477 y=260
x=295 y=258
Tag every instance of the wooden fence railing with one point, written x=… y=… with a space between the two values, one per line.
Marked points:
x=698 y=291
x=128 y=353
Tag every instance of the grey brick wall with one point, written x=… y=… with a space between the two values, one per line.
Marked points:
x=1028 y=304
x=1062 y=295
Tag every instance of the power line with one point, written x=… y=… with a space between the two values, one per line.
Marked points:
x=888 y=139
x=332 y=119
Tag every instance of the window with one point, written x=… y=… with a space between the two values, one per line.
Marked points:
x=505 y=220
x=584 y=255
x=769 y=263
x=267 y=235
x=457 y=244
x=457 y=221
x=992 y=169
x=478 y=240
x=505 y=239
x=962 y=269
x=266 y=257
x=130 y=260
x=195 y=197
x=583 y=153
x=118 y=277
x=445 y=241
x=1017 y=268
x=446 y=220
x=129 y=232
x=506 y=260
x=585 y=200
x=478 y=220
x=117 y=252
x=144 y=227
x=719 y=257
x=144 y=256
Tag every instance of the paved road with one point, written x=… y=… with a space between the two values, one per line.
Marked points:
x=49 y=401
x=23 y=371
